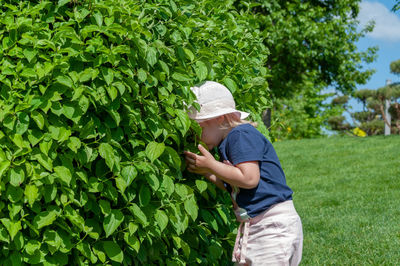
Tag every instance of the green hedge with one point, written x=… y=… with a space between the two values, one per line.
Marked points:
x=93 y=125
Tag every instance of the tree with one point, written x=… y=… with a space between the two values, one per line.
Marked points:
x=372 y=118
x=396 y=7
x=395 y=67
x=93 y=125
x=312 y=46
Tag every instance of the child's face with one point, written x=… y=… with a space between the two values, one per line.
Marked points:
x=212 y=134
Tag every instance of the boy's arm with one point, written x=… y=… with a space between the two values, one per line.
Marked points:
x=243 y=175
x=214 y=179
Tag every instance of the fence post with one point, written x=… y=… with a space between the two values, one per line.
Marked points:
x=387 y=114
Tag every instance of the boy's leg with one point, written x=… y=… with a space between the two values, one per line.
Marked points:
x=277 y=239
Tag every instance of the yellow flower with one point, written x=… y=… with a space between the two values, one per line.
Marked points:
x=359 y=132
x=289 y=129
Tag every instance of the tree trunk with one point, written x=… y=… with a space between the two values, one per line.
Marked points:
x=397 y=107
x=266 y=117
x=381 y=107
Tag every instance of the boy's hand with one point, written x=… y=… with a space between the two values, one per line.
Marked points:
x=199 y=164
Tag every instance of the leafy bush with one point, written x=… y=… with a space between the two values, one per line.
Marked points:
x=93 y=124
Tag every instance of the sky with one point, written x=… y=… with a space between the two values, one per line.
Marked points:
x=386 y=35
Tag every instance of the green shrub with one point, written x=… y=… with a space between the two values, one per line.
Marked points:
x=93 y=125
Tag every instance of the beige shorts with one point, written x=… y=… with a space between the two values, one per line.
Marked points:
x=274 y=237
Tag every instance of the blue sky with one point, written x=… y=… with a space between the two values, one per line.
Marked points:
x=386 y=36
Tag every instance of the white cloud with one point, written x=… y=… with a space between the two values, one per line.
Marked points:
x=387 y=23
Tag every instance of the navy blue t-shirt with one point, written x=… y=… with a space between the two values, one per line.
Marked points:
x=245 y=143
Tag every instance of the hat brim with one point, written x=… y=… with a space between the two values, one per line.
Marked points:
x=243 y=115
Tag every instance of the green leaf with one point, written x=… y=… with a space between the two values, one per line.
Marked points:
x=107 y=152
x=189 y=54
x=180 y=77
x=3 y=167
x=32 y=246
x=15 y=259
x=74 y=144
x=12 y=227
x=113 y=251
x=167 y=185
x=22 y=123
x=19 y=141
x=44 y=160
x=108 y=75
x=14 y=210
x=97 y=249
x=99 y=18
x=161 y=219
x=38 y=118
x=153 y=181
x=59 y=133
x=19 y=241
x=3 y=234
x=92 y=228
x=74 y=217
x=121 y=184
x=31 y=193
x=222 y=214
x=132 y=241
x=151 y=56
x=230 y=84
x=65 y=80
x=144 y=195
x=142 y=75
x=209 y=219
x=201 y=185
x=182 y=121
x=112 y=92
x=53 y=240
x=30 y=54
x=14 y=194
x=154 y=150
x=138 y=213
x=84 y=248
x=105 y=207
x=34 y=136
x=129 y=173
x=9 y=121
x=84 y=76
x=28 y=73
x=17 y=176
x=174 y=158
x=191 y=207
x=44 y=218
x=70 y=110
x=112 y=221
x=164 y=67
x=62 y=2
x=201 y=70
x=63 y=174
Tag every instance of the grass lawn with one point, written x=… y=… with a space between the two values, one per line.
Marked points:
x=347 y=192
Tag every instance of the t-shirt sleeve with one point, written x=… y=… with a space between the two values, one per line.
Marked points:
x=244 y=146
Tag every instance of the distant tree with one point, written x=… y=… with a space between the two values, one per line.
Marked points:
x=337 y=121
x=372 y=118
x=392 y=93
x=395 y=67
x=396 y=7
x=312 y=46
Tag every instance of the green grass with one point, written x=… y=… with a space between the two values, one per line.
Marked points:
x=347 y=193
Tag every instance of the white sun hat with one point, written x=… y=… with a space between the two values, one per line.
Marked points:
x=214 y=100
